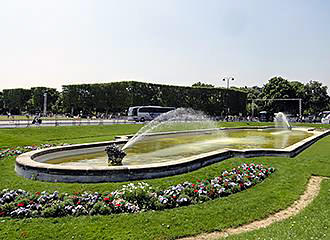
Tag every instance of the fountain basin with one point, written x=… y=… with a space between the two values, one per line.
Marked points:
x=32 y=164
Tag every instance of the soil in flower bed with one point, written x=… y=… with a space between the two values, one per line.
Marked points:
x=130 y=198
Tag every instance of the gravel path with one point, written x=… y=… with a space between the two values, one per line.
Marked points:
x=311 y=192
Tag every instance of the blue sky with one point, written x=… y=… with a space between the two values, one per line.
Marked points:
x=180 y=42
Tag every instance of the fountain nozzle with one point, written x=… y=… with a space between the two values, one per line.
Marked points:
x=115 y=154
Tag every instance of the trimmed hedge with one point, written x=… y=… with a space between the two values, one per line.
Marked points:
x=119 y=96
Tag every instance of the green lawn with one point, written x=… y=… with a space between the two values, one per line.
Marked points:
x=312 y=223
x=70 y=134
x=277 y=192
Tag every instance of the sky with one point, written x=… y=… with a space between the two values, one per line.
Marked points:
x=177 y=42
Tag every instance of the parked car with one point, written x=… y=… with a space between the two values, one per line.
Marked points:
x=264 y=116
x=321 y=115
x=309 y=119
x=326 y=119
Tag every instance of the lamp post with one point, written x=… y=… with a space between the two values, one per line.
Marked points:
x=45 y=104
x=228 y=79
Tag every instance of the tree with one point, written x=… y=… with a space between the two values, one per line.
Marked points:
x=16 y=100
x=298 y=89
x=278 y=88
x=253 y=93
x=317 y=97
x=37 y=98
x=117 y=97
x=1 y=103
x=204 y=85
x=57 y=107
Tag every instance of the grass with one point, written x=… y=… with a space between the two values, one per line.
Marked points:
x=277 y=192
x=70 y=134
x=312 y=223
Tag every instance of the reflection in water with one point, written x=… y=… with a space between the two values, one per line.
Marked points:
x=173 y=147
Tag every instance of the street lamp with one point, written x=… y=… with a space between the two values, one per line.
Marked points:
x=226 y=100
x=45 y=104
x=228 y=79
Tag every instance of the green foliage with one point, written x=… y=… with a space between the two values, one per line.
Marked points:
x=18 y=100
x=313 y=95
x=116 y=97
x=15 y=100
x=200 y=84
x=57 y=107
x=318 y=99
x=278 y=87
x=37 y=98
x=69 y=134
x=1 y=102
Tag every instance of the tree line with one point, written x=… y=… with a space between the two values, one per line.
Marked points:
x=313 y=95
x=117 y=97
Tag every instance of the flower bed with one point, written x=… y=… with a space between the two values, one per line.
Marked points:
x=130 y=198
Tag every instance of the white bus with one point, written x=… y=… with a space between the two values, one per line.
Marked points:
x=146 y=113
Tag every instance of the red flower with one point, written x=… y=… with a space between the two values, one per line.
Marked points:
x=78 y=202
x=193 y=185
x=118 y=204
x=2 y=213
x=106 y=199
x=20 y=204
x=37 y=193
x=173 y=196
x=195 y=190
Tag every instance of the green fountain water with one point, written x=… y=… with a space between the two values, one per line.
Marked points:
x=171 y=147
x=182 y=140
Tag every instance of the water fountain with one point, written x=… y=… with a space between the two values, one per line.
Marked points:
x=115 y=154
x=281 y=121
x=178 y=120
x=177 y=142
